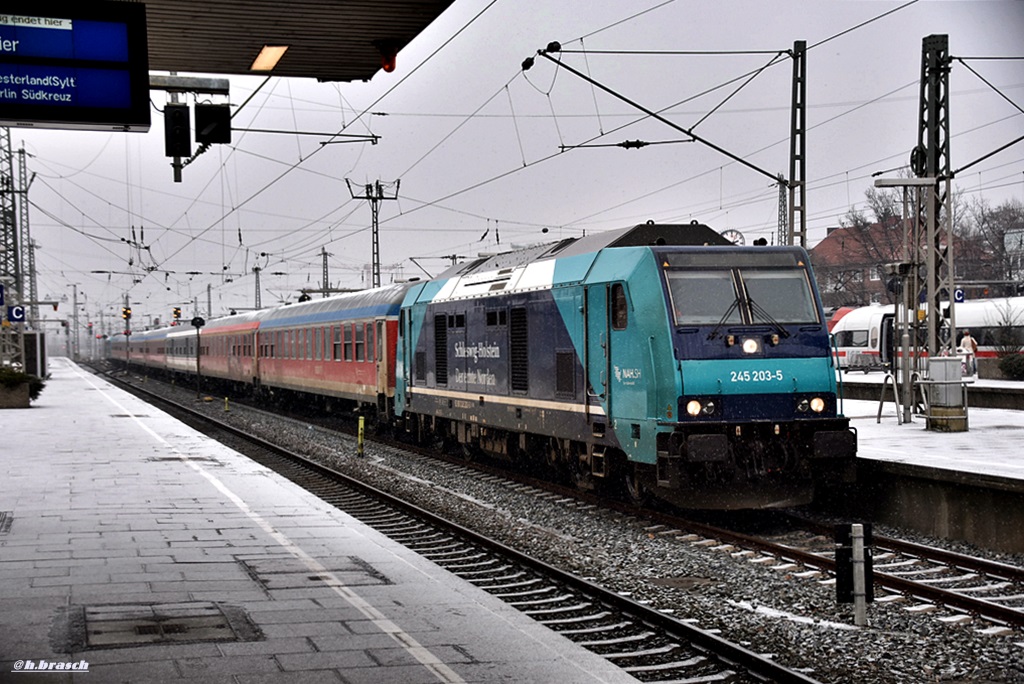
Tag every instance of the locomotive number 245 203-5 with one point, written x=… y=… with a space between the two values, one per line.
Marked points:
x=756 y=375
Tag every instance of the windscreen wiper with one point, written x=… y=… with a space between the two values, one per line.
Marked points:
x=759 y=312
x=728 y=312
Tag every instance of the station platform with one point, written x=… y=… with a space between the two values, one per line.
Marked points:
x=134 y=549
x=990 y=448
x=965 y=486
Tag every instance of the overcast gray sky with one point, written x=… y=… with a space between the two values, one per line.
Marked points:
x=486 y=152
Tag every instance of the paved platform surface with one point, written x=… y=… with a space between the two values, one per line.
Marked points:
x=128 y=540
x=990 y=447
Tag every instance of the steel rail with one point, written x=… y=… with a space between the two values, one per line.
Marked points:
x=977 y=606
x=728 y=652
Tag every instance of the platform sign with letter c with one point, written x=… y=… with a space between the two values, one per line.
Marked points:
x=16 y=314
x=958 y=295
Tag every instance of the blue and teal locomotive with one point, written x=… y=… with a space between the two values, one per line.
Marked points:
x=655 y=361
x=658 y=359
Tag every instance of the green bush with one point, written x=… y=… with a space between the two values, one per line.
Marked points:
x=1012 y=366
x=11 y=378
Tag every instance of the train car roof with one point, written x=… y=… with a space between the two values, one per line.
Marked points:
x=641 y=235
x=859 y=318
x=149 y=335
x=247 y=320
x=381 y=301
x=973 y=312
x=569 y=261
x=180 y=331
x=838 y=315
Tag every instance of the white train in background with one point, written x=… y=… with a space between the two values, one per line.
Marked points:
x=866 y=337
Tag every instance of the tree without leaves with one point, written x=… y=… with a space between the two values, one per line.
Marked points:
x=871 y=237
x=994 y=241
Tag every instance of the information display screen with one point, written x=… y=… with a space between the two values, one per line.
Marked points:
x=82 y=66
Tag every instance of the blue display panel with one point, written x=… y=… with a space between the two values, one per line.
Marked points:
x=81 y=66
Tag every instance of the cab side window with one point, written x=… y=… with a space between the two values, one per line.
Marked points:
x=620 y=314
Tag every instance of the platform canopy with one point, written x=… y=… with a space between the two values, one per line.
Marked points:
x=329 y=40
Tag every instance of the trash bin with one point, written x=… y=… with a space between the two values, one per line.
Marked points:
x=946 y=369
x=947 y=412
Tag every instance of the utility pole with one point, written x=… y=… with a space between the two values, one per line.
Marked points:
x=127 y=332
x=209 y=300
x=783 y=235
x=10 y=250
x=74 y=322
x=930 y=159
x=925 y=273
x=256 y=270
x=198 y=323
x=28 y=255
x=326 y=282
x=375 y=193
x=12 y=333
x=797 y=232
x=33 y=292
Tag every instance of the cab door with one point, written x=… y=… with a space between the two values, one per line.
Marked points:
x=596 y=344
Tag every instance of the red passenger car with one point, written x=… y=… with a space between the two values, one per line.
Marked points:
x=342 y=346
x=229 y=348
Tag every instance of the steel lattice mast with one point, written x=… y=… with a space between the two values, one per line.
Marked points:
x=25 y=242
x=12 y=340
x=934 y=223
x=797 y=229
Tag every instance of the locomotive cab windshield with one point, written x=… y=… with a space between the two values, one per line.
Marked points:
x=740 y=289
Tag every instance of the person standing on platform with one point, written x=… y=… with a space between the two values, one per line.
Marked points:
x=970 y=347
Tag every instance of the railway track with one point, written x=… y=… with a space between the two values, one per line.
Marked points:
x=971 y=587
x=649 y=644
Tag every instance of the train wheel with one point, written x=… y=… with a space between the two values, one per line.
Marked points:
x=635 y=486
x=578 y=471
x=581 y=480
x=553 y=456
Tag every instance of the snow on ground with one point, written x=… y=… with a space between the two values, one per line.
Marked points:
x=993 y=444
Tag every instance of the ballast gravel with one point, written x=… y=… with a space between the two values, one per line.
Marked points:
x=767 y=609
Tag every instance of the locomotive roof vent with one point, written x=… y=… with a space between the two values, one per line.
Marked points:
x=664 y=234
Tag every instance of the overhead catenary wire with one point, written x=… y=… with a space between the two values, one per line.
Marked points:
x=295 y=165
x=748 y=75
x=990 y=85
x=313 y=225
x=651 y=113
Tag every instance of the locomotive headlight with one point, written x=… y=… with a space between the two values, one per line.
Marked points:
x=750 y=346
x=803 y=406
x=817 y=404
x=693 y=407
x=709 y=408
